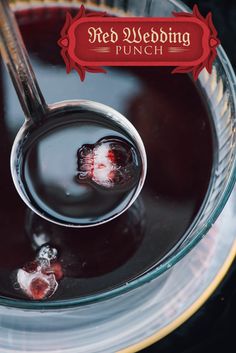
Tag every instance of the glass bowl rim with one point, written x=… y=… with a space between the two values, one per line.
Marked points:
x=174 y=258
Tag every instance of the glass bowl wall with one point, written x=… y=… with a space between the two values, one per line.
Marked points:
x=218 y=90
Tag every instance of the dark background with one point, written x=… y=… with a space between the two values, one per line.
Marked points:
x=213 y=327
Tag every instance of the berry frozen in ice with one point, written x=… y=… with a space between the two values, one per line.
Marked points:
x=37 y=280
x=111 y=162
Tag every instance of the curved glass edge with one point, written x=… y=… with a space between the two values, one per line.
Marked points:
x=154 y=273
x=190 y=311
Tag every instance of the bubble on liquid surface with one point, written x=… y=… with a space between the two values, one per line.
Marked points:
x=38 y=279
x=110 y=163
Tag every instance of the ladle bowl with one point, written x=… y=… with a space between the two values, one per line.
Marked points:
x=73 y=112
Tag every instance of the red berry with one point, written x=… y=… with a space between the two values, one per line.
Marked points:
x=39 y=288
x=31 y=267
x=57 y=270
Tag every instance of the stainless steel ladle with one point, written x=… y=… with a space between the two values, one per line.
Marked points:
x=38 y=113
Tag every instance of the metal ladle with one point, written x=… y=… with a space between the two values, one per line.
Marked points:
x=39 y=117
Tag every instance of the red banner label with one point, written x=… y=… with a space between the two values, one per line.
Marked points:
x=92 y=40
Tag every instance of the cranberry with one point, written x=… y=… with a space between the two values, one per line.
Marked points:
x=57 y=270
x=31 y=267
x=39 y=288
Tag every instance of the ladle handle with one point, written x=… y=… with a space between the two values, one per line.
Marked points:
x=16 y=58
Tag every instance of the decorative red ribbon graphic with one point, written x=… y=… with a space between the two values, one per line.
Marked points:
x=92 y=40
